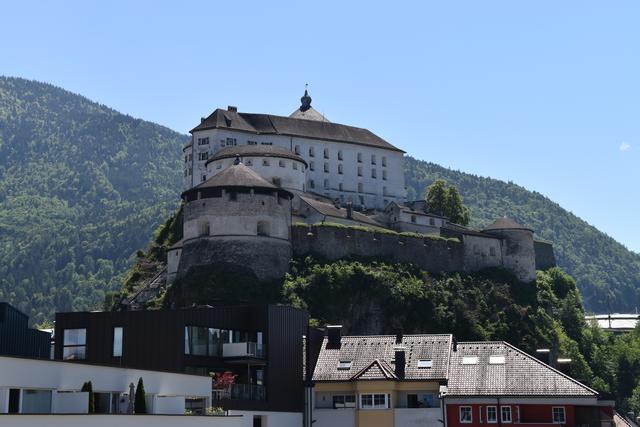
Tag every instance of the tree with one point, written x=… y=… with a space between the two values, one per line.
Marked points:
x=446 y=201
x=140 y=404
x=88 y=387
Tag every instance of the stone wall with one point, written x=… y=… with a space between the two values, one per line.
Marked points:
x=332 y=243
x=267 y=257
x=545 y=257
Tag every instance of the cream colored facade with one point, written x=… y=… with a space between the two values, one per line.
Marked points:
x=396 y=413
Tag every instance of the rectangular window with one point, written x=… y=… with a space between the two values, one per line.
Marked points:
x=203 y=156
x=505 y=411
x=384 y=175
x=281 y=163
x=74 y=344
x=384 y=161
x=231 y=141
x=265 y=162
x=425 y=363
x=203 y=141
x=266 y=143
x=359 y=170
x=496 y=360
x=559 y=415
x=344 y=401
x=326 y=167
x=359 y=157
x=374 y=401
x=196 y=344
x=465 y=414
x=117 y=341
x=373 y=159
x=373 y=173
x=344 y=364
x=492 y=414
x=295 y=166
x=470 y=360
x=252 y=142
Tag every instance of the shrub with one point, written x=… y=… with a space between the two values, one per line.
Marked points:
x=140 y=404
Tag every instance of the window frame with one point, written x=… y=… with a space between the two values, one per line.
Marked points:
x=373 y=397
x=553 y=415
x=74 y=345
x=495 y=414
x=506 y=410
x=470 y=412
x=113 y=343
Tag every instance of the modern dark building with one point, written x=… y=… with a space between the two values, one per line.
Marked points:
x=17 y=339
x=260 y=345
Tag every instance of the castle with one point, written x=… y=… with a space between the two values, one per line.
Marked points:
x=251 y=182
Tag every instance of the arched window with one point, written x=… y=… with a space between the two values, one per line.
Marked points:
x=205 y=229
x=263 y=228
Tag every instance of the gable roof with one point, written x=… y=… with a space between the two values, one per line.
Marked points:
x=257 y=151
x=519 y=375
x=268 y=124
x=363 y=351
x=377 y=370
x=330 y=210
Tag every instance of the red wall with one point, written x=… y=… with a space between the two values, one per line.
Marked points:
x=532 y=415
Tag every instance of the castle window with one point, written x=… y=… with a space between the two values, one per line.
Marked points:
x=297 y=149
x=384 y=161
x=204 y=228
x=340 y=168
x=281 y=163
x=326 y=184
x=360 y=187
x=185 y=172
x=252 y=142
x=373 y=159
x=373 y=173
x=326 y=153
x=340 y=187
x=186 y=159
x=190 y=171
x=312 y=184
x=432 y=221
x=248 y=163
x=340 y=155
x=312 y=166
x=413 y=219
x=311 y=152
x=190 y=157
x=384 y=175
x=263 y=228
x=265 y=162
x=203 y=156
x=233 y=196
x=231 y=141
x=326 y=167
x=204 y=178
x=359 y=170
x=359 y=157
x=361 y=198
x=203 y=141
x=266 y=143
x=295 y=166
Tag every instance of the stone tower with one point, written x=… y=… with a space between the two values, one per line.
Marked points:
x=518 y=251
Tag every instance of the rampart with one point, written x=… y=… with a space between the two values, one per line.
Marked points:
x=545 y=257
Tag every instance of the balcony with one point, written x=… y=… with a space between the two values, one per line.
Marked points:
x=240 y=392
x=243 y=350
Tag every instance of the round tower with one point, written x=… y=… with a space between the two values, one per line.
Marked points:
x=237 y=218
x=518 y=252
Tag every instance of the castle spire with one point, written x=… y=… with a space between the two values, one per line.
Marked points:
x=305 y=101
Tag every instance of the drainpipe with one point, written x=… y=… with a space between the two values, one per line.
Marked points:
x=499 y=413
x=444 y=411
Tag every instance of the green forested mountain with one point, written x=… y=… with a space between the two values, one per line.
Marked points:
x=82 y=187
x=608 y=274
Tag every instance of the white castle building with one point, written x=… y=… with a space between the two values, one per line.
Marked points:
x=340 y=162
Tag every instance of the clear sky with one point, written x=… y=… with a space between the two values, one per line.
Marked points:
x=542 y=93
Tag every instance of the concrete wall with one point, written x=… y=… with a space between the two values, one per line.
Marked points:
x=545 y=257
x=266 y=257
x=71 y=403
x=96 y=420
x=481 y=252
x=168 y=405
x=334 y=417
x=334 y=243
x=376 y=192
x=173 y=261
x=270 y=418
x=427 y=417
x=518 y=253
x=291 y=173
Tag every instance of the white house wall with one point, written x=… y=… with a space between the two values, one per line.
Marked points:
x=96 y=420
x=271 y=419
x=334 y=417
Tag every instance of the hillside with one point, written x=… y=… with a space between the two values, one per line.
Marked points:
x=82 y=187
x=608 y=274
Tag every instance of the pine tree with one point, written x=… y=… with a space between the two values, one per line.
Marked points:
x=140 y=403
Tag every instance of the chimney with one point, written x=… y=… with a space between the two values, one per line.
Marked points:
x=349 y=210
x=399 y=337
x=334 y=334
x=232 y=109
x=400 y=361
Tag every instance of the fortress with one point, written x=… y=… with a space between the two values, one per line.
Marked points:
x=260 y=188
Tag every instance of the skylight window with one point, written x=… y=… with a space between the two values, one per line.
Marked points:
x=496 y=360
x=470 y=360
x=344 y=364
x=425 y=363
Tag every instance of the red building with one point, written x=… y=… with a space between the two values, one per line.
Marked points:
x=495 y=383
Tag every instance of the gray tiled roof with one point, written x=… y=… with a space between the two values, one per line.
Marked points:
x=362 y=351
x=280 y=125
x=256 y=151
x=330 y=210
x=310 y=114
x=520 y=375
x=377 y=370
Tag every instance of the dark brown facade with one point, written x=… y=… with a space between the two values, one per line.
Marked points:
x=268 y=375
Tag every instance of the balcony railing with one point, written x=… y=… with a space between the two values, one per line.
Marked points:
x=243 y=349
x=240 y=392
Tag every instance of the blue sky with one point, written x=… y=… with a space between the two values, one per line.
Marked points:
x=542 y=93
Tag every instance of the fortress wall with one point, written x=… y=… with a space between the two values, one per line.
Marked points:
x=266 y=257
x=545 y=257
x=332 y=243
x=481 y=252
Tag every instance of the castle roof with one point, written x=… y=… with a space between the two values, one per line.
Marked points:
x=303 y=124
x=238 y=176
x=330 y=210
x=255 y=151
x=372 y=357
x=500 y=369
x=505 y=223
